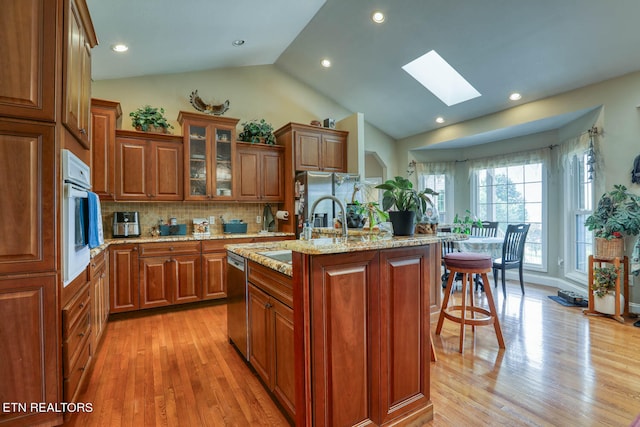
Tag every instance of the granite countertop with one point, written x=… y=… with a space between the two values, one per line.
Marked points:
x=184 y=238
x=365 y=242
x=251 y=251
x=332 y=245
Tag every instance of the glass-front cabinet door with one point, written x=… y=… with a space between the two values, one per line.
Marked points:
x=209 y=155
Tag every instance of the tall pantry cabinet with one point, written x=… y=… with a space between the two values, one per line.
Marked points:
x=44 y=106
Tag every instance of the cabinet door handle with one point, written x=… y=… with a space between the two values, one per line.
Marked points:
x=83 y=131
x=81 y=305
x=268 y=305
x=170 y=248
x=81 y=334
x=135 y=248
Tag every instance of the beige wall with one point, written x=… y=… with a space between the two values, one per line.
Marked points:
x=253 y=92
x=616 y=99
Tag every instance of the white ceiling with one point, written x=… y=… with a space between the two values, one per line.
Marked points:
x=539 y=48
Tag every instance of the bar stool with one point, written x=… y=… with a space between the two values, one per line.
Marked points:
x=468 y=264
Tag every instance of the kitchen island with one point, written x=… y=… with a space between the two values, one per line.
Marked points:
x=361 y=341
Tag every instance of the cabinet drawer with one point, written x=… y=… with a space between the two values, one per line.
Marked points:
x=170 y=248
x=77 y=337
x=72 y=312
x=215 y=245
x=275 y=284
x=74 y=374
x=97 y=262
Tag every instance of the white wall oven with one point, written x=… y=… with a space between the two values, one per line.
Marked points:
x=76 y=177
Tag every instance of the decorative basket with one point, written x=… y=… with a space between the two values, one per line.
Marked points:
x=609 y=249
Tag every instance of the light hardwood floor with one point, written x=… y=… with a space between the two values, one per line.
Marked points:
x=560 y=368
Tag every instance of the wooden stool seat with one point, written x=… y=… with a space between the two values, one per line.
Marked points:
x=468 y=264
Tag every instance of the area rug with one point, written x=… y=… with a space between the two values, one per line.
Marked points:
x=564 y=302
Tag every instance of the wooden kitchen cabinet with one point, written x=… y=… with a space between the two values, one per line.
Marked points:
x=260 y=174
x=79 y=39
x=271 y=333
x=214 y=273
x=148 y=166
x=123 y=278
x=170 y=273
x=375 y=367
x=315 y=148
x=27 y=159
x=105 y=116
x=77 y=341
x=209 y=159
x=27 y=85
x=98 y=276
x=29 y=345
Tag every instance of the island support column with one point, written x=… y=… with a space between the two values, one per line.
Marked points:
x=362 y=340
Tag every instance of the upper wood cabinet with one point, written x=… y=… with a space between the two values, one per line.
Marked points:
x=148 y=166
x=260 y=172
x=209 y=160
x=28 y=49
x=80 y=37
x=104 y=122
x=315 y=148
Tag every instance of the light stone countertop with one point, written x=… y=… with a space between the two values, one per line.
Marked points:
x=364 y=242
x=184 y=238
x=332 y=245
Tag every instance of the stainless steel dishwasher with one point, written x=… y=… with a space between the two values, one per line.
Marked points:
x=237 y=315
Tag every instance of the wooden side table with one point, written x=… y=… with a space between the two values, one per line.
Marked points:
x=624 y=272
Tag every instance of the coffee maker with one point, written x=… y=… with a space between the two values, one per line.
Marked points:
x=126 y=224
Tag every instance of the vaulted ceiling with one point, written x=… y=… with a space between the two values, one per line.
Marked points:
x=538 y=48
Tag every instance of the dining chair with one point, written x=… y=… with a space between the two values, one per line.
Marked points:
x=512 y=254
x=488 y=229
x=447 y=248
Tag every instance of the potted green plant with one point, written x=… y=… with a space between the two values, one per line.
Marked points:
x=255 y=131
x=603 y=288
x=358 y=214
x=408 y=201
x=617 y=215
x=149 y=119
x=464 y=224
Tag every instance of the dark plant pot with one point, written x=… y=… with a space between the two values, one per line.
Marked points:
x=403 y=222
x=354 y=219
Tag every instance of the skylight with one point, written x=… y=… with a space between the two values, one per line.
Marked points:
x=434 y=73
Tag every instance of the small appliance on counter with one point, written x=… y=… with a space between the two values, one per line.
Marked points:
x=126 y=224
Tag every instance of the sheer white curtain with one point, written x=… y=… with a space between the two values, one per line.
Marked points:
x=540 y=155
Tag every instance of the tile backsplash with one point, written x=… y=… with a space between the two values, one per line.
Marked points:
x=149 y=214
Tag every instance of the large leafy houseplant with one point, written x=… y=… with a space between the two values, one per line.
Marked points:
x=255 y=131
x=617 y=213
x=400 y=193
x=149 y=119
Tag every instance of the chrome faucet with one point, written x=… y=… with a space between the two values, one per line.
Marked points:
x=335 y=199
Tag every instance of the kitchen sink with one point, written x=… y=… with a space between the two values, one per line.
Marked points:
x=281 y=255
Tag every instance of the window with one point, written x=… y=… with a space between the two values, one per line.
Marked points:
x=438 y=183
x=580 y=206
x=512 y=195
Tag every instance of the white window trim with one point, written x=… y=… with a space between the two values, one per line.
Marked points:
x=569 y=205
x=543 y=268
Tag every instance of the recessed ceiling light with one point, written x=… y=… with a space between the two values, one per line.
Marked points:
x=325 y=63
x=377 y=17
x=119 y=48
x=238 y=42
x=434 y=73
x=439 y=119
x=515 y=96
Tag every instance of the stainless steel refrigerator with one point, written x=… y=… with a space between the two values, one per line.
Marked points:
x=310 y=186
